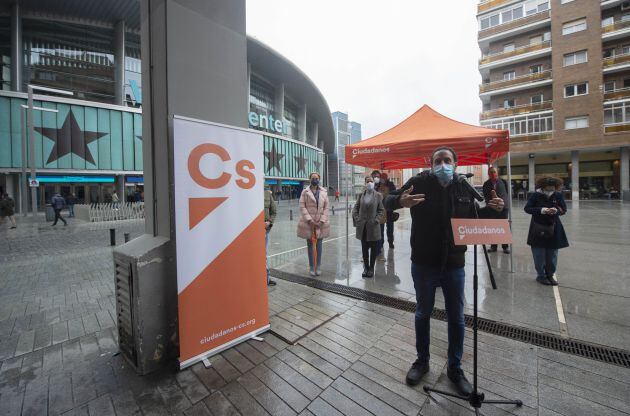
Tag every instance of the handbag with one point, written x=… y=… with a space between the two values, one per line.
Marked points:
x=545 y=231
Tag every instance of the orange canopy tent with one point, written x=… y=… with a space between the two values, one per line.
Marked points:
x=410 y=143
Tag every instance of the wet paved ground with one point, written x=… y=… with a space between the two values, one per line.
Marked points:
x=594 y=272
x=58 y=338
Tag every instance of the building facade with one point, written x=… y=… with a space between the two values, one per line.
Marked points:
x=92 y=144
x=342 y=176
x=556 y=74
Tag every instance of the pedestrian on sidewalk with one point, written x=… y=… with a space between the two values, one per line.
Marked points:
x=499 y=186
x=546 y=233
x=385 y=187
x=313 y=225
x=115 y=200
x=71 y=200
x=7 y=210
x=58 y=203
x=367 y=214
x=270 y=217
x=337 y=193
x=434 y=198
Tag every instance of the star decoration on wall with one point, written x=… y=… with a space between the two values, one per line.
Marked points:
x=273 y=158
x=301 y=161
x=70 y=139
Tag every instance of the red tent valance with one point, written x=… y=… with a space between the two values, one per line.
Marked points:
x=410 y=143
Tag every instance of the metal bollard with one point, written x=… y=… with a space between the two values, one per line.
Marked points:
x=126 y=237
x=290 y=215
x=333 y=210
x=112 y=236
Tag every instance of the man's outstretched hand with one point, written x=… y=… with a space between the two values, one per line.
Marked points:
x=407 y=200
x=495 y=202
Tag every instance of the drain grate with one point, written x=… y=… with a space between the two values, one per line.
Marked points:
x=538 y=338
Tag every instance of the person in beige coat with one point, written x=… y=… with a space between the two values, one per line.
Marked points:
x=367 y=216
x=313 y=223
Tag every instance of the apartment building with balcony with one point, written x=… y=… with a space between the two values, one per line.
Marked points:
x=556 y=73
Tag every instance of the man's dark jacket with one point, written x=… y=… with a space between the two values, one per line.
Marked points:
x=502 y=192
x=431 y=232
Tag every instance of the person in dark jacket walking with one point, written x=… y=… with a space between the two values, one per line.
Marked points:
x=58 y=203
x=367 y=215
x=499 y=186
x=546 y=233
x=7 y=209
x=434 y=198
x=71 y=200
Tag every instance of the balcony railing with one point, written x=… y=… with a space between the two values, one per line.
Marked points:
x=490 y=4
x=486 y=59
x=616 y=60
x=616 y=128
x=617 y=94
x=538 y=17
x=523 y=79
x=512 y=111
x=621 y=24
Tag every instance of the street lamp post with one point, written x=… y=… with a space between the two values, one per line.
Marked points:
x=31 y=138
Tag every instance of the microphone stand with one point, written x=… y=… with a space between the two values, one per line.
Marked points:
x=476 y=399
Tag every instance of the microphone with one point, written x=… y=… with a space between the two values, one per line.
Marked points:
x=461 y=178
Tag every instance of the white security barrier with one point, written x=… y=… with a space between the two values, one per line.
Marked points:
x=112 y=211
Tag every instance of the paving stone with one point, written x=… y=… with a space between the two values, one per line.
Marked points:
x=124 y=403
x=224 y=368
x=308 y=370
x=242 y=400
x=43 y=337
x=192 y=387
x=198 y=409
x=238 y=360
x=295 y=379
x=281 y=388
x=319 y=407
x=101 y=406
x=219 y=405
x=209 y=377
x=342 y=403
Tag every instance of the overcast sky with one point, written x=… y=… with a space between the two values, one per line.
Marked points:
x=379 y=60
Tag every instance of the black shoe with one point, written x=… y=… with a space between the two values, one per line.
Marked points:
x=552 y=281
x=543 y=280
x=271 y=283
x=365 y=272
x=456 y=375
x=391 y=245
x=416 y=372
x=492 y=249
x=370 y=272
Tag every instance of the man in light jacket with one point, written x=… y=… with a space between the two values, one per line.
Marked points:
x=270 y=217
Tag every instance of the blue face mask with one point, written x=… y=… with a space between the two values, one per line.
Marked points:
x=444 y=173
x=314 y=182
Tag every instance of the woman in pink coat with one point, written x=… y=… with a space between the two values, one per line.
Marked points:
x=314 y=220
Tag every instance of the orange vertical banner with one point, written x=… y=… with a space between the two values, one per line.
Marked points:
x=220 y=238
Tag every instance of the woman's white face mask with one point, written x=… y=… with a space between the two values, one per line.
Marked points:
x=370 y=186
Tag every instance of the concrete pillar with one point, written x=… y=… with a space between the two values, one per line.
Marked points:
x=301 y=123
x=279 y=102
x=575 y=175
x=119 y=63
x=315 y=138
x=531 y=173
x=120 y=187
x=625 y=173
x=208 y=86
x=16 y=47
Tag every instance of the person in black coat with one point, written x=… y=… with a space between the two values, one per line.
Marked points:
x=546 y=233
x=499 y=186
x=434 y=198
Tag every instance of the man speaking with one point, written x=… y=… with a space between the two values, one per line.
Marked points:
x=434 y=198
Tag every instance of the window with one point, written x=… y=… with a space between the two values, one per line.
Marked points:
x=574 y=58
x=608 y=53
x=504 y=16
x=625 y=17
x=508 y=103
x=535 y=69
x=535 y=40
x=509 y=75
x=610 y=86
x=607 y=21
x=576 y=89
x=625 y=49
x=626 y=83
x=574 y=26
x=508 y=47
x=536 y=99
x=523 y=125
x=617 y=113
x=571 y=123
x=546 y=36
